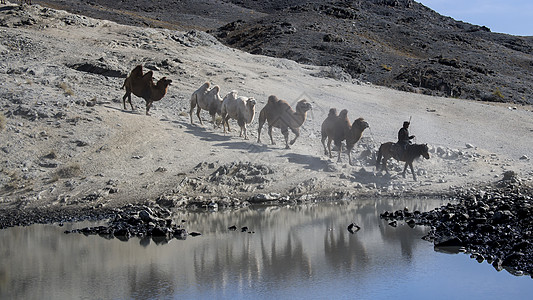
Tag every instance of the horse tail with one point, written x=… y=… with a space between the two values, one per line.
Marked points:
x=378 y=161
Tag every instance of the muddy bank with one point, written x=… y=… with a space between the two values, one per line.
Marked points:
x=493 y=224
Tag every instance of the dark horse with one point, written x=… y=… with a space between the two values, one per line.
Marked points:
x=388 y=150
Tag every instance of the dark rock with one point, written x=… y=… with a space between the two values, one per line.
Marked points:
x=449 y=241
x=159 y=232
x=512 y=259
x=501 y=217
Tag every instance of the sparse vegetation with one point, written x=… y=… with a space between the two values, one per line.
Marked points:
x=65 y=87
x=498 y=94
x=386 y=67
x=69 y=171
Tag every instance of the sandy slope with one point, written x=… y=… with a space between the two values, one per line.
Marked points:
x=68 y=141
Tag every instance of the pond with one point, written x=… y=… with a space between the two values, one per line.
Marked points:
x=291 y=252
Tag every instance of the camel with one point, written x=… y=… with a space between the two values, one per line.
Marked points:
x=239 y=108
x=278 y=113
x=142 y=85
x=206 y=99
x=338 y=128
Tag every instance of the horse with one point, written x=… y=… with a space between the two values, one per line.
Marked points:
x=388 y=150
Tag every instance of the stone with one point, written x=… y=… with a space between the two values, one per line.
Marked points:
x=146 y=217
x=449 y=241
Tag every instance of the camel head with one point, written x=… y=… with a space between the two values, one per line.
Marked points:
x=162 y=85
x=251 y=103
x=303 y=106
x=164 y=82
x=360 y=123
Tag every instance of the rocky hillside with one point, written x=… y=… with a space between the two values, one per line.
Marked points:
x=394 y=43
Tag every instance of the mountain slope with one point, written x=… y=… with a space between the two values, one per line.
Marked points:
x=395 y=43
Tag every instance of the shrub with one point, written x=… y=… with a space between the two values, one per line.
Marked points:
x=497 y=93
x=65 y=87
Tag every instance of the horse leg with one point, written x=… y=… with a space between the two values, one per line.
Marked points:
x=385 y=159
x=405 y=169
x=412 y=171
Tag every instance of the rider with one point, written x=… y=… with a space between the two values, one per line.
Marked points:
x=404 y=138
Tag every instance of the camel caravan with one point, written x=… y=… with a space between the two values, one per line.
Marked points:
x=277 y=113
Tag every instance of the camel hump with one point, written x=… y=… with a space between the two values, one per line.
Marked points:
x=148 y=76
x=343 y=114
x=205 y=86
x=137 y=71
x=216 y=89
x=272 y=99
x=332 y=112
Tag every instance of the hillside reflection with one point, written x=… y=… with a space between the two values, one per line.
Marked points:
x=289 y=247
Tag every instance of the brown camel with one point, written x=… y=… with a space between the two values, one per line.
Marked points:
x=142 y=85
x=278 y=113
x=338 y=128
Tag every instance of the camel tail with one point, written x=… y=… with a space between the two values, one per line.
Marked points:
x=378 y=161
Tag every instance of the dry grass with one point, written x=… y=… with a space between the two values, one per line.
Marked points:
x=66 y=88
x=386 y=67
x=497 y=93
x=69 y=171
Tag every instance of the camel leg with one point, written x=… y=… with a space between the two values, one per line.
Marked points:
x=339 y=155
x=193 y=105
x=259 y=130
x=296 y=132
x=349 y=157
x=227 y=123
x=243 y=128
x=128 y=96
x=323 y=140
x=148 y=105
x=285 y=132
x=124 y=100
x=328 y=152
x=198 y=110
x=270 y=134
x=213 y=118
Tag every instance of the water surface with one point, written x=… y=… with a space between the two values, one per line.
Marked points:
x=294 y=252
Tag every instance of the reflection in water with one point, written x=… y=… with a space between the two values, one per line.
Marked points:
x=303 y=251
